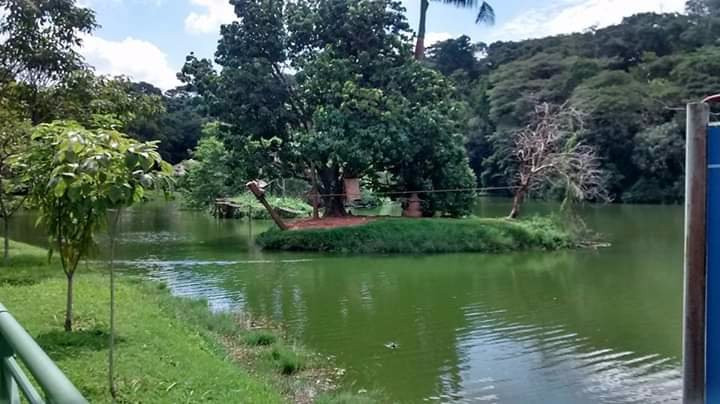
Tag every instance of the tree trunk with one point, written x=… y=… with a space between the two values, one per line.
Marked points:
x=111 y=353
x=69 y=303
x=6 y=244
x=260 y=196
x=332 y=192
x=517 y=201
x=335 y=207
x=420 y=44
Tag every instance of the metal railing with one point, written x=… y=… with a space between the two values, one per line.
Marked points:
x=15 y=342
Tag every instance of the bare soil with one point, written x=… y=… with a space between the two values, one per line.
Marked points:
x=330 y=222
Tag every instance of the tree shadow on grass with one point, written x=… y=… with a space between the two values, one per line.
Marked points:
x=60 y=344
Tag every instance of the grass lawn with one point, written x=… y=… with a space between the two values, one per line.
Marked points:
x=433 y=235
x=169 y=350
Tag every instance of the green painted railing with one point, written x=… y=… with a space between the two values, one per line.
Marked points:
x=16 y=344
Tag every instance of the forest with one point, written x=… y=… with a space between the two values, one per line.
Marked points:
x=631 y=81
x=283 y=99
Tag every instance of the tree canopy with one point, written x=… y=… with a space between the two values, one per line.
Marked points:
x=356 y=103
x=76 y=175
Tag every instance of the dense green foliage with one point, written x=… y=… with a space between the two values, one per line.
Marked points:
x=288 y=207
x=178 y=126
x=208 y=174
x=76 y=176
x=38 y=51
x=211 y=174
x=14 y=141
x=357 y=105
x=631 y=80
x=397 y=235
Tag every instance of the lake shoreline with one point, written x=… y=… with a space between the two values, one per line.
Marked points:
x=424 y=236
x=170 y=348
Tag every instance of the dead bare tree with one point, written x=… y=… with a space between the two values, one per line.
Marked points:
x=549 y=154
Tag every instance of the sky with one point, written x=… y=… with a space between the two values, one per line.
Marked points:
x=148 y=40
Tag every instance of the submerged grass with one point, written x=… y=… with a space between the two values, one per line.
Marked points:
x=288 y=207
x=434 y=235
x=169 y=349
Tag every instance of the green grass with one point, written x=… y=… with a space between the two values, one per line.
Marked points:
x=436 y=235
x=169 y=350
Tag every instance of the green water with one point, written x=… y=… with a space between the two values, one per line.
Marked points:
x=561 y=327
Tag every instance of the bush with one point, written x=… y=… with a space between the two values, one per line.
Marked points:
x=259 y=338
x=288 y=360
x=400 y=235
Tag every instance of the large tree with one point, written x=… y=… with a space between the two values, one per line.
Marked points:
x=703 y=7
x=485 y=14
x=39 y=48
x=348 y=111
x=14 y=141
x=455 y=56
x=549 y=154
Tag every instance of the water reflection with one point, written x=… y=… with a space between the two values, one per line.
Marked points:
x=562 y=327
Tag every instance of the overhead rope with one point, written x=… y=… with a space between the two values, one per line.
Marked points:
x=426 y=191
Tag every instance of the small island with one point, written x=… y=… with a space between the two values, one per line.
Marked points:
x=396 y=235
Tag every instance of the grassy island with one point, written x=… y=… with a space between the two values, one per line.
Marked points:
x=169 y=350
x=433 y=235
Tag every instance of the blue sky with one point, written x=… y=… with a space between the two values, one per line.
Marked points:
x=149 y=39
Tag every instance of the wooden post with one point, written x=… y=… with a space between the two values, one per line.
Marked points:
x=695 y=254
x=260 y=195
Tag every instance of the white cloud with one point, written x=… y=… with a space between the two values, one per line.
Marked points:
x=216 y=13
x=435 y=37
x=138 y=59
x=566 y=16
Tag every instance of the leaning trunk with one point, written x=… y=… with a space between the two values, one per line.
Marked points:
x=260 y=196
x=420 y=44
x=69 y=303
x=517 y=202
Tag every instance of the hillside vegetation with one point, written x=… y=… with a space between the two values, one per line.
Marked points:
x=630 y=80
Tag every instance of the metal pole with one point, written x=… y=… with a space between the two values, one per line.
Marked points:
x=8 y=388
x=695 y=254
x=712 y=304
x=56 y=386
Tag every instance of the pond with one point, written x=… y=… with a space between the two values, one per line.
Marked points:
x=562 y=327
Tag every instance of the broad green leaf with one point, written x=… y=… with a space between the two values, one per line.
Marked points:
x=60 y=188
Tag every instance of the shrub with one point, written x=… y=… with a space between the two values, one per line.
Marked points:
x=259 y=338
x=288 y=360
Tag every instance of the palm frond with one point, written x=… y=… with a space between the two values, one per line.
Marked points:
x=486 y=14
